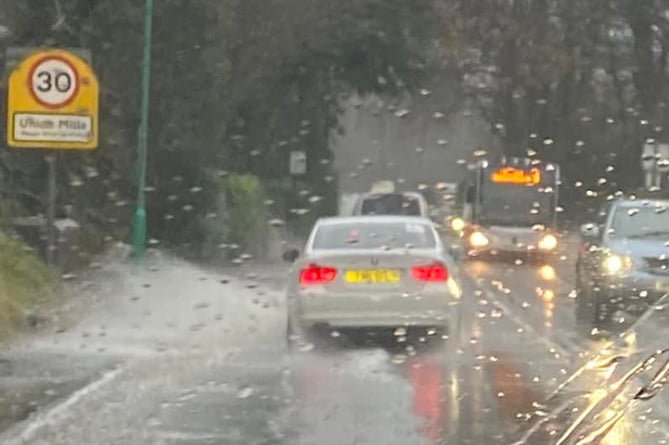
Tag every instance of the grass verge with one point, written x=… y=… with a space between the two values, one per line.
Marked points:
x=25 y=282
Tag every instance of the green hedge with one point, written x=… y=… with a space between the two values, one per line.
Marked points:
x=24 y=281
x=242 y=218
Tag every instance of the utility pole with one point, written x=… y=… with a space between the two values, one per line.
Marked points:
x=139 y=224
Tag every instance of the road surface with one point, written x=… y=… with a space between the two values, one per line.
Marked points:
x=169 y=353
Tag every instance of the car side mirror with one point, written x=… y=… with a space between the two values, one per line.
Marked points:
x=291 y=255
x=590 y=231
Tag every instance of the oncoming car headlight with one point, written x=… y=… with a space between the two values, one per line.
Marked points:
x=478 y=239
x=615 y=264
x=457 y=224
x=548 y=242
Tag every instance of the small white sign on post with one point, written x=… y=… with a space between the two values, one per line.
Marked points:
x=298 y=162
x=30 y=127
x=663 y=158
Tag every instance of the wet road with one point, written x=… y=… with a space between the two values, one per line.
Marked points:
x=173 y=354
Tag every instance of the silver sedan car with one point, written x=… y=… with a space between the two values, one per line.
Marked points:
x=371 y=271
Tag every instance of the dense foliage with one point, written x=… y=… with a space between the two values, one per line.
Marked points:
x=238 y=84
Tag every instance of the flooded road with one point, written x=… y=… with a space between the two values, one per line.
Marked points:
x=173 y=354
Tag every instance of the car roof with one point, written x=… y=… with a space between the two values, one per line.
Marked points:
x=373 y=218
x=377 y=194
x=641 y=202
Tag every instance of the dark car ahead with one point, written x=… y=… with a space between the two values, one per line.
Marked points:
x=399 y=203
x=623 y=260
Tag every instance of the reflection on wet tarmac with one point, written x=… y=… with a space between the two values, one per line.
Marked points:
x=492 y=381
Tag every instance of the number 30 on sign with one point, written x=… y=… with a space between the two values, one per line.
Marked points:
x=54 y=82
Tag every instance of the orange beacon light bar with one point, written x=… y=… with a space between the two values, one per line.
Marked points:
x=510 y=175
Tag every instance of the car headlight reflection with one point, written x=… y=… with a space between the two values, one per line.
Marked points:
x=614 y=264
x=548 y=242
x=478 y=239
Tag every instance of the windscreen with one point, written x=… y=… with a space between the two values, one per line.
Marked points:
x=640 y=222
x=374 y=235
x=517 y=204
x=391 y=204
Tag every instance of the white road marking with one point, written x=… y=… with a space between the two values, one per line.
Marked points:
x=60 y=410
x=550 y=344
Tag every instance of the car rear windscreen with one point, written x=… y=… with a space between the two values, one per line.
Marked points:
x=390 y=204
x=373 y=235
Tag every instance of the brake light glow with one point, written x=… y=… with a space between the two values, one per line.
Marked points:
x=315 y=274
x=435 y=272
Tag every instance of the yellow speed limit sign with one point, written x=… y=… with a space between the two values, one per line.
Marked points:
x=52 y=102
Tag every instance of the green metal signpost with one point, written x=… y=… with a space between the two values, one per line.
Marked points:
x=139 y=224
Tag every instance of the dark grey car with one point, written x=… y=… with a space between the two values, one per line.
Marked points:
x=623 y=260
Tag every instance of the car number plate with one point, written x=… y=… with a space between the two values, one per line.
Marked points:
x=662 y=286
x=375 y=276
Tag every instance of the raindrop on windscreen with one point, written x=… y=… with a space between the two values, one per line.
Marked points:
x=76 y=181
x=245 y=392
x=496 y=313
x=398 y=359
x=438 y=115
x=276 y=222
x=548 y=141
x=632 y=212
x=315 y=199
x=399 y=332
x=91 y=172
x=424 y=92
x=402 y=112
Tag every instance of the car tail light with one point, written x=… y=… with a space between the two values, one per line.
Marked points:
x=315 y=274
x=432 y=272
